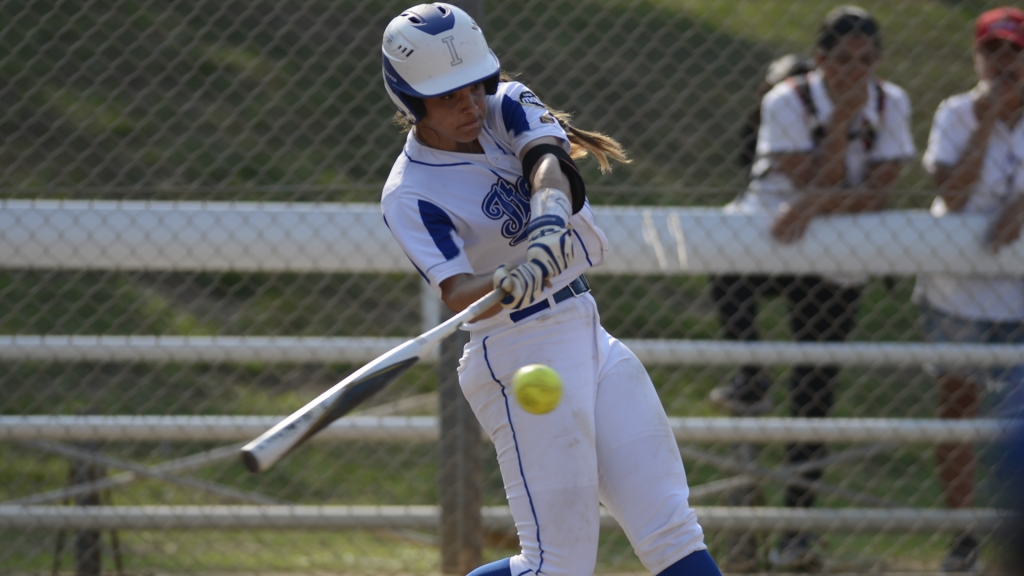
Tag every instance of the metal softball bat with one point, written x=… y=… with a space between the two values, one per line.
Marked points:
x=343 y=397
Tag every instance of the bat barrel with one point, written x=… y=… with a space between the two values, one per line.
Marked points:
x=272 y=445
x=265 y=451
x=260 y=454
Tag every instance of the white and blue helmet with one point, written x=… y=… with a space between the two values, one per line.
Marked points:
x=433 y=49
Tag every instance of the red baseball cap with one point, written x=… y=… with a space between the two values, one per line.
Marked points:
x=1004 y=23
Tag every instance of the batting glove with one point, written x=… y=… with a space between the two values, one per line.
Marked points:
x=523 y=284
x=550 y=245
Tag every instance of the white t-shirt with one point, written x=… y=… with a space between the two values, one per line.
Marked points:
x=787 y=127
x=1000 y=181
x=461 y=213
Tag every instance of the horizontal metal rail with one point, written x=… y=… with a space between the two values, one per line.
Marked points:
x=719 y=353
x=266 y=349
x=328 y=238
x=494 y=518
x=425 y=429
x=358 y=350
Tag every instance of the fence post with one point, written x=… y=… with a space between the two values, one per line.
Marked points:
x=741 y=554
x=460 y=473
x=88 y=543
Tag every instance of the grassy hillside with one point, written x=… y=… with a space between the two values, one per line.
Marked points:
x=287 y=93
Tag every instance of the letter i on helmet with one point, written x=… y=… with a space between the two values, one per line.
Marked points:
x=434 y=49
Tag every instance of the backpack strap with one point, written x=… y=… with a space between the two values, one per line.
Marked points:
x=881 y=98
x=802 y=87
x=868 y=133
x=803 y=90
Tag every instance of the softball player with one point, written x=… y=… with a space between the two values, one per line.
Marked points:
x=485 y=194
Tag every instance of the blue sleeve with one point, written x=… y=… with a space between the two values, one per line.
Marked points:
x=429 y=237
x=522 y=117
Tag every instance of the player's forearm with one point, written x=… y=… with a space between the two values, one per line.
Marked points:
x=548 y=174
x=461 y=290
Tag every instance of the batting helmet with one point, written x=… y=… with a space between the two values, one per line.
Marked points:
x=433 y=49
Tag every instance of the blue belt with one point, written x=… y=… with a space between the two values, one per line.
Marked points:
x=575 y=288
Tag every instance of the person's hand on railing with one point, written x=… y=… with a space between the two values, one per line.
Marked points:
x=791 y=225
x=1007 y=228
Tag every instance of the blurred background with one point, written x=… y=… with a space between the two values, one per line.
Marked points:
x=282 y=101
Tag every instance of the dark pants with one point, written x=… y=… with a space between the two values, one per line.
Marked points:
x=819 y=311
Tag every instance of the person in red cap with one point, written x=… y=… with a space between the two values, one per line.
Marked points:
x=976 y=156
x=999 y=24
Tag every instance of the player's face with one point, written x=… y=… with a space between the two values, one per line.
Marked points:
x=849 y=64
x=1001 y=63
x=454 y=119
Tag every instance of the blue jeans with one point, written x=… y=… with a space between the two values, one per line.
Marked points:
x=943 y=327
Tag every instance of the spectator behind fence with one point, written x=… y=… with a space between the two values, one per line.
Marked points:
x=974 y=153
x=830 y=141
x=779 y=69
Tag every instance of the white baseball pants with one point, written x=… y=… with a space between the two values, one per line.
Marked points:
x=608 y=440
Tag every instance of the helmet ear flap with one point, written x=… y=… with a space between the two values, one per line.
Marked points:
x=419 y=109
x=491 y=85
x=412 y=108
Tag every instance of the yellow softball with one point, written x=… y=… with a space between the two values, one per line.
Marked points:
x=537 y=388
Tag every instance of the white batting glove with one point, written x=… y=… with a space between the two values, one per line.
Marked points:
x=523 y=284
x=550 y=245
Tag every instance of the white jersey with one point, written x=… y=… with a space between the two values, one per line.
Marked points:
x=462 y=213
x=787 y=127
x=1000 y=182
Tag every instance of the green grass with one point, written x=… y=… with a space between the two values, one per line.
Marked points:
x=208 y=303
x=185 y=96
x=236 y=551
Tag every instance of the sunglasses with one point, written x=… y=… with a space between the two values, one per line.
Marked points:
x=997 y=46
x=844 y=58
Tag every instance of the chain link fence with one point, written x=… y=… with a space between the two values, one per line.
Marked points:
x=278 y=105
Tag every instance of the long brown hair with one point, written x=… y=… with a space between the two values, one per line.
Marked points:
x=602 y=146
x=583 y=142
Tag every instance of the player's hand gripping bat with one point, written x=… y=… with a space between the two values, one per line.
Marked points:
x=341 y=398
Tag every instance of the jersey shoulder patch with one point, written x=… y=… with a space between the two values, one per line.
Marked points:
x=514 y=110
x=527 y=98
x=514 y=117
